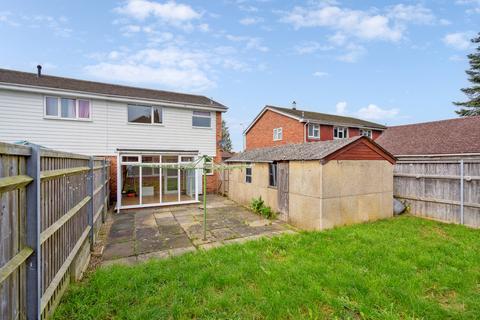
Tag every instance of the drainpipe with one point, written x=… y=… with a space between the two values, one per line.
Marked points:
x=461 y=192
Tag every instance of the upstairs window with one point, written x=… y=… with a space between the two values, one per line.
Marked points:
x=67 y=108
x=277 y=134
x=248 y=175
x=314 y=131
x=202 y=119
x=145 y=114
x=340 y=132
x=366 y=133
x=272 y=174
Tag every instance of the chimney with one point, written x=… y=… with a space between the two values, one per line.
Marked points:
x=294 y=105
x=39 y=71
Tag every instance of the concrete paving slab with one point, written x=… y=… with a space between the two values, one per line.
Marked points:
x=118 y=250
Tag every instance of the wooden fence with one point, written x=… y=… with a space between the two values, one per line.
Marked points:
x=51 y=205
x=442 y=189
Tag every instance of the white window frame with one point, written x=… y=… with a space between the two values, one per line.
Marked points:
x=277 y=134
x=315 y=128
x=344 y=130
x=248 y=175
x=202 y=116
x=366 y=133
x=151 y=115
x=59 y=109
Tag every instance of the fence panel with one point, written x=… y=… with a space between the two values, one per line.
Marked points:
x=434 y=189
x=13 y=250
x=48 y=201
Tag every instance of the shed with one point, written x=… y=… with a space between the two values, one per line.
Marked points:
x=318 y=185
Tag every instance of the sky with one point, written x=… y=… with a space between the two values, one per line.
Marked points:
x=391 y=62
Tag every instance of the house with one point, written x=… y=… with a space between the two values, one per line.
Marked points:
x=454 y=138
x=277 y=125
x=132 y=126
x=317 y=185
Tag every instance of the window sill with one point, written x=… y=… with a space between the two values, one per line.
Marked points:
x=273 y=187
x=314 y=138
x=146 y=124
x=67 y=119
x=207 y=128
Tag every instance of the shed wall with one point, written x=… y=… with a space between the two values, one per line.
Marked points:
x=243 y=193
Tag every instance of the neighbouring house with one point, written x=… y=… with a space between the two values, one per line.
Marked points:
x=226 y=155
x=438 y=168
x=277 y=125
x=452 y=138
x=131 y=126
x=317 y=185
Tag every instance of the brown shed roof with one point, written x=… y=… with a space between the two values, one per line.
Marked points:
x=304 y=151
x=52 y=82
x=330 y=118
x=453 y=136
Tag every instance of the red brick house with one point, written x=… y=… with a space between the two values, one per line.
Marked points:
x=277 y=126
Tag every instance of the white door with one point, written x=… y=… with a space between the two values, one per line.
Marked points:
x=170 y=181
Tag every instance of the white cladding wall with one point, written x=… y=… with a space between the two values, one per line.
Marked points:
x=21 y=118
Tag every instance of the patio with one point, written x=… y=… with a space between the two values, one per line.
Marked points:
x=140 y=234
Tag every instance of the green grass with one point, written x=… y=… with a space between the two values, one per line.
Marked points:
x=401 y=268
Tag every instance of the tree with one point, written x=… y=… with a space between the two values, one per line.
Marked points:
x=227 y=141
x=472 y=106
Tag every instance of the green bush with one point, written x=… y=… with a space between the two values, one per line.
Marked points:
x=258 y=206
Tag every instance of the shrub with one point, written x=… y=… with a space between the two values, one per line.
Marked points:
x=258 y=206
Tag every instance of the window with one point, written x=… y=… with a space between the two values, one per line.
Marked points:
x=272 y=174
x=248 y=175
x=208 y=164
x=277 y=134
x=340 y=133
x=366 y=133
x=130 y=158
x=67 y=108
x=202 y=119
x=314 y=131
x=145 y=114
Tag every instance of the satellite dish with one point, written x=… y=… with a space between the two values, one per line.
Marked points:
x=221 y=143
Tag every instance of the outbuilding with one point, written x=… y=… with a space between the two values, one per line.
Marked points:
x=318 y=185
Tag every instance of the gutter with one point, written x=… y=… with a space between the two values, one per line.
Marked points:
x=438 y=155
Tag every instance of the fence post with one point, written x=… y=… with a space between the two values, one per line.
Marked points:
x=462 y=213
x=104 y=188
x=33 y=263
x=90 y=209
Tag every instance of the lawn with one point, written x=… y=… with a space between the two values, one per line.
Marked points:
x=399 y=268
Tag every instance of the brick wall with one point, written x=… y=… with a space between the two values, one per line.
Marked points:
x=261 y=134
x=213 y=180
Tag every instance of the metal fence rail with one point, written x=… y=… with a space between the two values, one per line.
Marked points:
x=441 y=189
x=52 y=203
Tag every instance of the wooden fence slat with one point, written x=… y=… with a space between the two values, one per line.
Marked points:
x=14 y=182
x=47 y=233
x=63 y=269
x=50 y=174
x=14 y=263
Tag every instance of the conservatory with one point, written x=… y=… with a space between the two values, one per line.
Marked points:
x=150 y=178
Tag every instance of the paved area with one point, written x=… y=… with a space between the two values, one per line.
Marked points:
x=138 y=235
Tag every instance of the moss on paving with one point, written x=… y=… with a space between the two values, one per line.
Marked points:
x=400 y=268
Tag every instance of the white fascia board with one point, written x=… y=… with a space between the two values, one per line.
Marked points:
x=265 y=110
x=98 y=96
x=437 y=155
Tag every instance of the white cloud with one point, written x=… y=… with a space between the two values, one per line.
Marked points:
x=474 y=5
x=169 y=67
x=169 y=11
x=247 y=21
x=308 y=47
x=353 y=53
x=360 y=24
x=341 y=107
x=458 y=40
x=320 y=74
x=370 y=112
x=374 y=112
x=415 y=14
x=250 y=42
